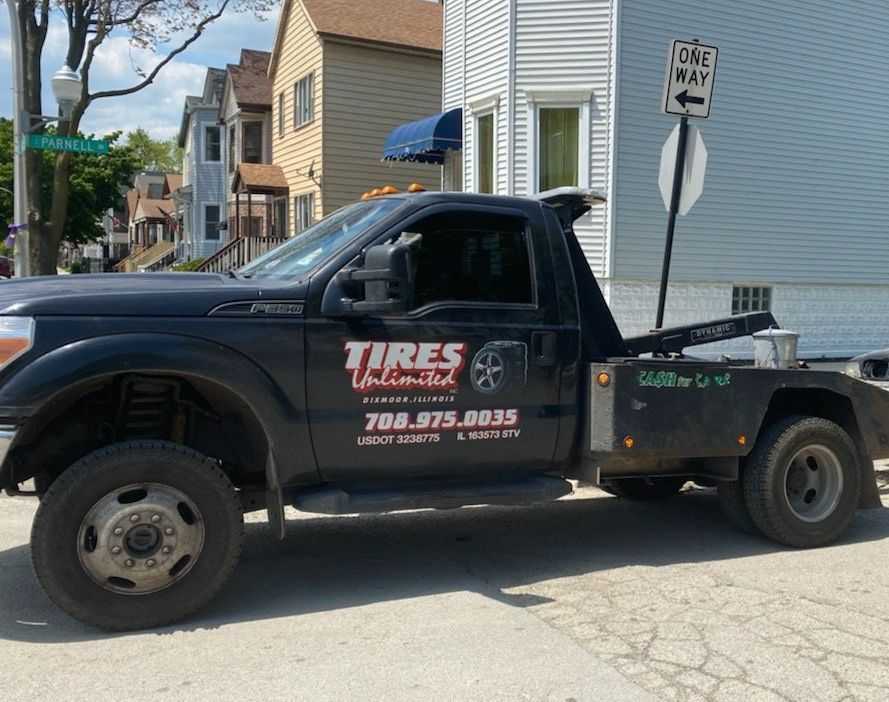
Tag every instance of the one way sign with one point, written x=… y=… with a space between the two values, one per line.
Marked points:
x=691 y=72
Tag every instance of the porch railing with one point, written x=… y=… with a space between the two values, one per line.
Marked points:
x=239 y=252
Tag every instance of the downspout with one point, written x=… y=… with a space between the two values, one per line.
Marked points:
x=510 y=102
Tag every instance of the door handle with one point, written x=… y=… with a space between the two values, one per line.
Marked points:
x=543 y=348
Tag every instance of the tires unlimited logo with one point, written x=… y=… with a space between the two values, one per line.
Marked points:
x=393 y=368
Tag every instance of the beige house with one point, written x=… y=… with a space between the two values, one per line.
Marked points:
x=344 y=75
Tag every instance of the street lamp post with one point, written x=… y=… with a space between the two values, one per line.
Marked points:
x=20 y=201
x=66 y=89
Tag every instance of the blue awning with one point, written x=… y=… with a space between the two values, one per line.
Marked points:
x=427 y=139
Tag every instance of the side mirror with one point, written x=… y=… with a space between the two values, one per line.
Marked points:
x=386 y=278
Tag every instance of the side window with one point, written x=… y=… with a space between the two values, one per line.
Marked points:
x=471 y=257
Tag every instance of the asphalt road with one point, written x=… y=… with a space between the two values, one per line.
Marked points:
x=593 y=598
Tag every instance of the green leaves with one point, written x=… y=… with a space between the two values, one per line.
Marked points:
x=96 y=184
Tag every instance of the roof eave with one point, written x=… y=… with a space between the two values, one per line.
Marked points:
x=361 y=41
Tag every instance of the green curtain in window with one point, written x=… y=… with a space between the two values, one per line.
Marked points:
x=486 y=153
x=559 y=145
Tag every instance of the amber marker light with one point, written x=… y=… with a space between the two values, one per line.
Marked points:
x=629 y=442
x=603 y=379
x=375 y=192
x=366 y=196
x=415 y=188
x=742 y=440
x=388 y=190
x=16 y=337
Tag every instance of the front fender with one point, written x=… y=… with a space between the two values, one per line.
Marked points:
x=35 y=386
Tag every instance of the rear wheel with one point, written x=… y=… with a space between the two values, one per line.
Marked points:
x=731 y=500
x=137 y=535
x=802 y=482
x=646 y=488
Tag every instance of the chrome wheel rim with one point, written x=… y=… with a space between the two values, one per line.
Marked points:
x=140 y=539
x=488 y=371
x=813 y=483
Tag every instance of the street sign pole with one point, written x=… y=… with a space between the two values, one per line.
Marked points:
x=688 y=92
x=671 y=221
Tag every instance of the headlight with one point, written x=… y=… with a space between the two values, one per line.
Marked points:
x=16 y=337
x=853 y=368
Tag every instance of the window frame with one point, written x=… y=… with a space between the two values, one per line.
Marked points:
x=488 y=106
x=207 y=128
x=281 y=114
x=309 y=79
x=576 y=97
x=298 y=209
x=204 y=206
x=249 y=123
x=433 y=307
x=232 y=148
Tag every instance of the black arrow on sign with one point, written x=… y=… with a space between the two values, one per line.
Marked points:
x=684 y=98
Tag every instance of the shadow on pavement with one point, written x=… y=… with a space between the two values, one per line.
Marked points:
x=327 y=564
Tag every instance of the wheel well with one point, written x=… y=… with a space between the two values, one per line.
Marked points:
x=815 y=402
x=194 y=412
x=836 y=408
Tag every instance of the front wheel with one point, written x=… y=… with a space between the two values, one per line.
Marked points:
x=802 y=482
x=137 y=535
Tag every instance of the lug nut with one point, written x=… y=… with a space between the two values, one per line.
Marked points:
x=156 y=518
x=130 y=563
x=169 y=531
x=166 y=549
x=115 y=550
x=135 y=518
x=151 y=563
x=118 y=531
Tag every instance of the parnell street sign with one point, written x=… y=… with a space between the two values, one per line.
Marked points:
x=48 y=142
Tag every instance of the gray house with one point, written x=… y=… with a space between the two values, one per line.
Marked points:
x=200 y=201
x=794 y=215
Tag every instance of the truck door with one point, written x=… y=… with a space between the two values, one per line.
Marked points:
x=466 y=382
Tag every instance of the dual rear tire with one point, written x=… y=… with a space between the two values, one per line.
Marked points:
x=800 y=485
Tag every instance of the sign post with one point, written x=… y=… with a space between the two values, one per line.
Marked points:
x=688 y=92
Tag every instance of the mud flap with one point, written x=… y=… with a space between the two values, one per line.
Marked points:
x=274 y=497
x=870 y=493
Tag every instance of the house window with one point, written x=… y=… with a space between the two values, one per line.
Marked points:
x=212 y=144
x=280 y=114
x=280 y=224
x=558 y=147
x=484 y=148
x=252 y=135
x=211 y=219
x=231 y=150
x=304 y=211
x=751 y=299
x=304 y=100
x=471 y=257
x=251 y=226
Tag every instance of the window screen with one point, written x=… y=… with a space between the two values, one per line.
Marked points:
x=212 y=145
x=252 y=134
x=471 y=258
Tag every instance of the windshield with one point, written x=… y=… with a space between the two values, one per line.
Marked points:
x=299 y=255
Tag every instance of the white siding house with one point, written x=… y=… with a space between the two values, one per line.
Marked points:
x=794 y=213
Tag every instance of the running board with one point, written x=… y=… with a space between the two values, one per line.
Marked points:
x=432 y=495
x=675 y=339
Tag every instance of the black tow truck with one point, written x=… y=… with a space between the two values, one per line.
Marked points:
x=427 y=350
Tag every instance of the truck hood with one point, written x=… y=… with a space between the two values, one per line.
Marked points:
x=134 y=294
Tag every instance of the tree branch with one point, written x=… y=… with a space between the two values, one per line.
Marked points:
x=149 y=79
x=134 y=16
